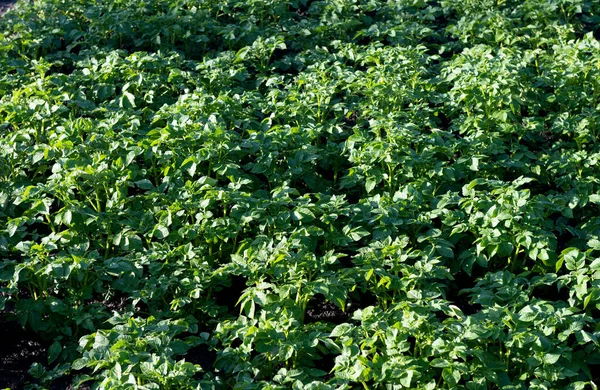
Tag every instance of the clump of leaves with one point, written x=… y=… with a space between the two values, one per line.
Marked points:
x=183 y=183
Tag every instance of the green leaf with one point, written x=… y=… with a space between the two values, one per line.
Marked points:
x=594 y=198
x=302 y=214
x=591 y=296
x=559 y=263
x=67 y=217
x=406 y=378
x=161 y=232
x=37 y=370
x=594 y=243
x=11 y=229
x=573 y=258
x=341 y=330
x=445 y=251
x=527 y=314
x=105 y=91
x=451 y=376
x=192 y=169
x=127 y=100
x=489 y=360
x=134 y=242
x=440 y=363
x=456 y=312
x=118 y=370
x=370 y=185
x=551 y=358
x=588 y=337
x=355 y=234
x=241 y=54
x=144 y=184
x=38 y=155
x=53 y=352
x=577 y=386
x=100 y=341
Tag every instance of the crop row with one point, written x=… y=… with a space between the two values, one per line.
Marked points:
x=309 y=194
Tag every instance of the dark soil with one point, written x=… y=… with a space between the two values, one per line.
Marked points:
x=228 y=296
x=326 y=363
x=203 y=356
x=5 y=5
x=321 y=310
x=19 y=349
x=65 y=383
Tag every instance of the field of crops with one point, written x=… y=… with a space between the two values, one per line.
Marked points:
x=327 y=194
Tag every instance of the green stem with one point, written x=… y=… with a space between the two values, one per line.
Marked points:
x=98 y=206
x=107 y=243
x=514 y=259
x=49 y=220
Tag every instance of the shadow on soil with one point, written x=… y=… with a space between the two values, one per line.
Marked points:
x=19 y=349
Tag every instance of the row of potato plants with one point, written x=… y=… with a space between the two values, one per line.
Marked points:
x=189 y=189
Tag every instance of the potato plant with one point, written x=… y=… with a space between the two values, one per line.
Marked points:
x=313 y=194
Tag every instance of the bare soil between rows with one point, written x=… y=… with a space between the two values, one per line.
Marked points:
x=18 y=351
x=5 y=6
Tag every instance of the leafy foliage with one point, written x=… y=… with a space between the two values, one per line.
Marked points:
x=184 y=184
